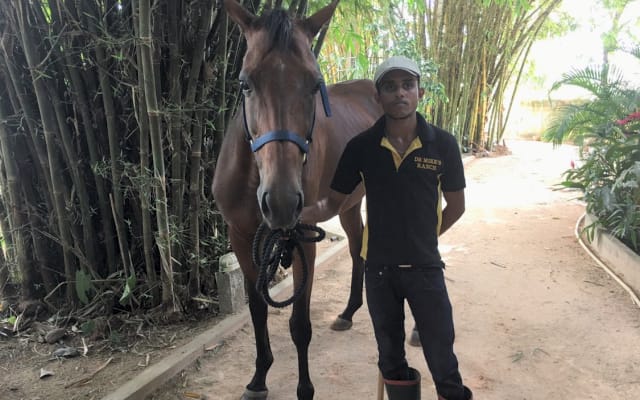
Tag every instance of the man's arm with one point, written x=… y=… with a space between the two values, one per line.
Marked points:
x=453 y=210
x=324 y=208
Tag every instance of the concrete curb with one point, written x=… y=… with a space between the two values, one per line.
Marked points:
x=157 y=374
x=619 y=259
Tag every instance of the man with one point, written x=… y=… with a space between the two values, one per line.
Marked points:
x=406 y=165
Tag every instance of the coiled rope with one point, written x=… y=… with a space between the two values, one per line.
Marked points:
x=272 y=248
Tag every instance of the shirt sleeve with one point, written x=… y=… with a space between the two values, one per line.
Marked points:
x=347 y=175
x=453 y=179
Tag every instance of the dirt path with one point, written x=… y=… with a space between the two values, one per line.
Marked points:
x=536 y=318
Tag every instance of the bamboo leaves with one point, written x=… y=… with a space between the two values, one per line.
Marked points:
x=83 y=286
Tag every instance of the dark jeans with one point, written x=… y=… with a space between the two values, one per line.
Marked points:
x=387 y=286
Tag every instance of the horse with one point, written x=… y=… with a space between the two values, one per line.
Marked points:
x=279 y=153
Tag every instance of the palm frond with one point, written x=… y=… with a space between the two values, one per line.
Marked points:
x=634 y=51
x=573 y=120
x=599 y=80
x=612 y=100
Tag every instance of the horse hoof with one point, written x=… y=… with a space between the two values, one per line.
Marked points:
x=414 y=339
x=253 y=395
x=341 y=324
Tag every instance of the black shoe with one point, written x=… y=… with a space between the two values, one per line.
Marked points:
x=404 y=389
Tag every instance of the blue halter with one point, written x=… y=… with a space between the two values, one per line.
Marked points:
x=281 y=135
x=285 y=135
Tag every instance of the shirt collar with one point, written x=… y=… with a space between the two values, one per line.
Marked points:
x=425 y=130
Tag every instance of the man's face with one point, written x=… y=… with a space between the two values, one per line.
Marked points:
x=398 y=94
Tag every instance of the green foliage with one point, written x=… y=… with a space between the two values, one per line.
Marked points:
x=611 y=101
x=519 y=6
x=609 y=178
x=129 y=285
x=362 y=35
x=607 y=128
x=558 y=24
x=88 y=327
x=116 y=339
x=83 y=286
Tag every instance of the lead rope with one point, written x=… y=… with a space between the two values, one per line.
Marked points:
x=277 y=249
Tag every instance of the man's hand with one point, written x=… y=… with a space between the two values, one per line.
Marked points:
x=453 y=210
x=323 y=209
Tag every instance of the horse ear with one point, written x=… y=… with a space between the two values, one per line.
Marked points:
x=239 y=14
x=314 y=23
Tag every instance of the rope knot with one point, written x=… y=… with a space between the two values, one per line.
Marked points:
x=272 y=249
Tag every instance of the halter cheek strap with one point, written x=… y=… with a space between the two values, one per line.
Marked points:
x=325 y=99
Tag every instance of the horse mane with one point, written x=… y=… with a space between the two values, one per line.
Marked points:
x=279 y=26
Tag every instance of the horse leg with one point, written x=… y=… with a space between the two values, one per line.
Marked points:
x=300 y=323
x=351 y=222
x=257 y=388
x=414 y=338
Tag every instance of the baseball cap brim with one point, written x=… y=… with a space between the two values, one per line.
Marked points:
x=396 y=62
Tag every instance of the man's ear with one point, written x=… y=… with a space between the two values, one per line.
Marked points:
x=421 y=91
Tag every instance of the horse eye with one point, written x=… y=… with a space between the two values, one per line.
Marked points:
x=244 y=86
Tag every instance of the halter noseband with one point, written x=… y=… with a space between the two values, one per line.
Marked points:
x=286 y=135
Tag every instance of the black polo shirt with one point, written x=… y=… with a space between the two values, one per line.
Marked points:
x=403 y=194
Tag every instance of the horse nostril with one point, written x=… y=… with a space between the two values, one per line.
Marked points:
x=281 y=211
x=300 y=203
x=264 y=204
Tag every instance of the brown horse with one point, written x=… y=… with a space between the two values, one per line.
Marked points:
x=279 y=154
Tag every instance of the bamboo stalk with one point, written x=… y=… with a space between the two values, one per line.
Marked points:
x=5 y=273
x=178 y=164
x=16 y=212
x=144 y=190
x=176 y=119
x=79 y=92
x=162 y=215
x=220 y=91
x=11 y=60
x=72 y=160
x=477 y=49
x=41 y=253
x=49 y=125
x=195 y=191
x=112 y=129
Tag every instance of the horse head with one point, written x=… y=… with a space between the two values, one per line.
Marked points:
x=280 y=80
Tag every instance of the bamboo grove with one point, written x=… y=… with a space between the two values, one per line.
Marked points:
x=112 y=111
x=475 y=50
x=110 y=116
x=481 y=53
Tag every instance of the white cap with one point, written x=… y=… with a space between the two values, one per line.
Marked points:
x=396 y=62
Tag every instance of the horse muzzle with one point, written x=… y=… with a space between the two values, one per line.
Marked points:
x=281 y=208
